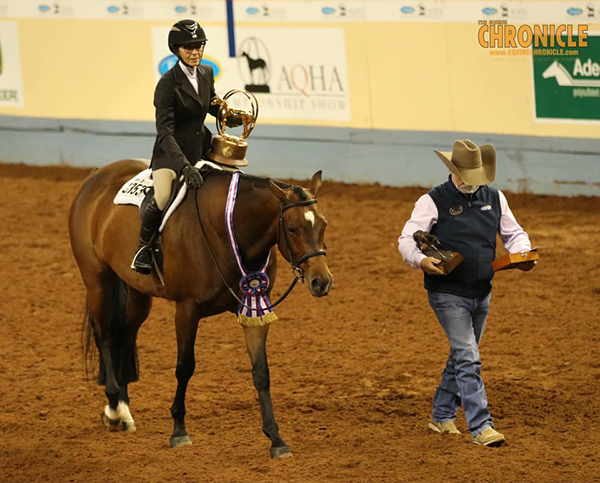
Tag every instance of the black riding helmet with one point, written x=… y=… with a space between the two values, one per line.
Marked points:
x=185 y=32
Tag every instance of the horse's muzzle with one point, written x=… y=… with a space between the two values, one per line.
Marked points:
x=320 y=286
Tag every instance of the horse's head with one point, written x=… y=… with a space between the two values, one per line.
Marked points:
x=301 y=234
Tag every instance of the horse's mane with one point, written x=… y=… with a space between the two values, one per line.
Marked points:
x=261 y=182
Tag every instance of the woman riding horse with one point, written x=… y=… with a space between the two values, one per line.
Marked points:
x=200 y=274
x=183 y=97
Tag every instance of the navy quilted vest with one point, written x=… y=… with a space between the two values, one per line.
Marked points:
x=467 y=224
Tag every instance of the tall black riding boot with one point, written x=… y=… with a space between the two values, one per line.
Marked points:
x=142 y=261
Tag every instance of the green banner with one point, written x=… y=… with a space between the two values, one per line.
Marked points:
x=568 y=86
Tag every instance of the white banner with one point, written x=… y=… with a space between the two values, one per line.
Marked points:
x=310 y=10
x=11 y=84
x=304 y=77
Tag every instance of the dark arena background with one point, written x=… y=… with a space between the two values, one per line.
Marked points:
x=352 y=374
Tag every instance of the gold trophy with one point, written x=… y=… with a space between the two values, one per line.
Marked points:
x=228 y=149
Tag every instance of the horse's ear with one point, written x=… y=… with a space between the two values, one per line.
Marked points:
x=278 y=191
x=315 y=183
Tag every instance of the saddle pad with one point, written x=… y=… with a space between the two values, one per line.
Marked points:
x=134 y=191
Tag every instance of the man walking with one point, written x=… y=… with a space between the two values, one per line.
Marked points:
x=465 y=214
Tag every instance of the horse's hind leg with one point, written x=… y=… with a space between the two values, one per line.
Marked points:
x=256 y=339
x=138 y=308
x=100 y=311
x=107 y=301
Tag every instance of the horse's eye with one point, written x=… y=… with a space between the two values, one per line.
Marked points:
x=292 y=232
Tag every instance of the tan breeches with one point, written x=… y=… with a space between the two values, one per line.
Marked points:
x=163 y=181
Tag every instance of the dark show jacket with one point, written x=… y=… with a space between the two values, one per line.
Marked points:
x=182 y=136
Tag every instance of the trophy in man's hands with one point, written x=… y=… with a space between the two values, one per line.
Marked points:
x=430 y=245
x=228 y=149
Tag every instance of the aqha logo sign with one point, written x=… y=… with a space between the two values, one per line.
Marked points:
x=308 y=79
x=304 y=78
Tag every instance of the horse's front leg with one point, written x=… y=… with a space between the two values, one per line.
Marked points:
x=256 y=338
x=187 y=316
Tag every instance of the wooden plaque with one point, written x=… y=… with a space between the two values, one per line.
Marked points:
x=514 y=260
x=452 y=259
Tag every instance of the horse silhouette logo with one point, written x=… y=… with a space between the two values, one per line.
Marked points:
x=254 y=64
x=591 y=10
x=564 y=78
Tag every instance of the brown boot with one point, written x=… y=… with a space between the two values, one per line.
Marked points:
x=489 y=437
x=447 y=427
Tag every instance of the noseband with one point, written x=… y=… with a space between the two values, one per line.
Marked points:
x=296 y=262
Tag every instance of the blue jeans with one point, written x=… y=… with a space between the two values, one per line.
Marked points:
x=463 y=320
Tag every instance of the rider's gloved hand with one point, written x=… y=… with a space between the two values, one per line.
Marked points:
x=192 y=177
x=233 y=120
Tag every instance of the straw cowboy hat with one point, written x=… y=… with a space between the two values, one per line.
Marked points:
x=473 y=164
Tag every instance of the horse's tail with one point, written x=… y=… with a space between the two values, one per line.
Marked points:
x=123 y=348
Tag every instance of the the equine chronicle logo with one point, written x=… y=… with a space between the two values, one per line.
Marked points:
x=254 y=64
x=494 y=34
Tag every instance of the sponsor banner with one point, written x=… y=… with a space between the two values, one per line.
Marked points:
x=304 y=77
x=117 y=9
x=568 y=87
x=311 y=11
x=11 y=84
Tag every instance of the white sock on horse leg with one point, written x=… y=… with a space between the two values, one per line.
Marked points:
x=113 y=415
x=123 y=409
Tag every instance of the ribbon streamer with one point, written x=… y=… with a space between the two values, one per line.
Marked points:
x=254 y=285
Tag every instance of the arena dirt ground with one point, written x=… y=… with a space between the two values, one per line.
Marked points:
x=353 y=374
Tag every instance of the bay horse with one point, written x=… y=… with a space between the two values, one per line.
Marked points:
x=268 y=215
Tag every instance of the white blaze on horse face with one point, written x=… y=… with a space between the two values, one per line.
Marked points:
x=310 y=216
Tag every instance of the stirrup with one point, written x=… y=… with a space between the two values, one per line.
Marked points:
x=139 y=266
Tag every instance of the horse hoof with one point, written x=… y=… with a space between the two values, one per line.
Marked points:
x=110 y=424
x=281 y=452
x=177 y=441
x=129 y=427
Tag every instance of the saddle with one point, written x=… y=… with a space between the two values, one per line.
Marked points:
x=139 y=191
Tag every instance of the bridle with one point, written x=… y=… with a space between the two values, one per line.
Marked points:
x=294 y=262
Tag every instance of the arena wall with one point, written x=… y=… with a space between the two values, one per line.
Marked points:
x=363 y=90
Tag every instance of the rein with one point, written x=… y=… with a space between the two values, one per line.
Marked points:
x=298 y=272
